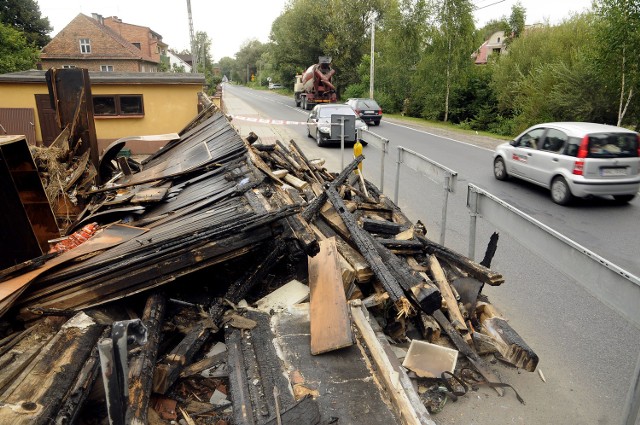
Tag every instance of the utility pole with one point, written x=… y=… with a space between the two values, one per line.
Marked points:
x=372 y=20
x=194 y=54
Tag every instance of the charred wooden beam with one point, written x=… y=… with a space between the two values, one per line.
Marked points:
x=239 y=289
x=141 y=367
x=414 y=245
x=169 y=368
x=367 y=247
x=37 y=395
x=492 y=246
x=304 y=161
x=510 y=344
x=474 y=269
x=313 y=208
x=81 y=389
x=380 y=226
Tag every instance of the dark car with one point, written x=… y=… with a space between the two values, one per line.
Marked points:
x=319 y=122
x=367 y=109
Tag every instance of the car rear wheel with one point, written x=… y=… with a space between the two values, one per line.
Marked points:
x=499 y=169
x=319 y=140
x=623 y=199
x=560 y=192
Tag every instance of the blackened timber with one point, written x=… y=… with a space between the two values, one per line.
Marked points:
x=37 y=396
x=73 y=403
x=242 y=406
x=142 y=366
x=474 y=269
x=305 y=161
x=380 y=226
x=492 y=246
x=313 y=208
x=411 y=245
x=169 y=368
x=154 y=271
x=240 y=288
x=366 y=246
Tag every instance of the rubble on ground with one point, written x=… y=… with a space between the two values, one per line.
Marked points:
x=244 y=284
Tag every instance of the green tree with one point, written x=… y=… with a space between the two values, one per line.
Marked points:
x=447 y=59
x=16 y=54
x=618 y=53
x=248 y=59
x=548 y=75
x=24 y=16
x=517 y=20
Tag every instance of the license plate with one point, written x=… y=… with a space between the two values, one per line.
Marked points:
x=369 y=112
x=613 y=172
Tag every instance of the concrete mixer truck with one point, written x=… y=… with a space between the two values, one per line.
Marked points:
x=314 y=85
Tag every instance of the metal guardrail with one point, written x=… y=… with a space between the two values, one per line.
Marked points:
x=610 y=284
x=379 y=142
x=433 y=170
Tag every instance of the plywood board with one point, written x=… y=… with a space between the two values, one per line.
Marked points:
x=329 y=313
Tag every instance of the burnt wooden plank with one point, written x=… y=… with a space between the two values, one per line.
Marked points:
x=380 y=226
x=169 y=367
x=474 y=269
x=509 y=343
x=367 y=248
x=141 y=367
x=35 y=397
x=314 y=206
x=329 y=312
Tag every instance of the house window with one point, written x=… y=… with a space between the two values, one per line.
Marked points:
x=116 y=105
x=85 y=45
x=68 y=66
x=137 y=45
x=106 y=68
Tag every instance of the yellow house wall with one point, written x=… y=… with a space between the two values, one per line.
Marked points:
x=167 y=109
x=23 y=96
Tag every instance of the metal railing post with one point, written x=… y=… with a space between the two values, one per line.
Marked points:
x=385 y=149
x=443 y=228
x=396 y=195
x=472 y=204
x=341 y=143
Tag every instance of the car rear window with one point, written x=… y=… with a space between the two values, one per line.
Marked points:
x=607 y=145
x=368 y=104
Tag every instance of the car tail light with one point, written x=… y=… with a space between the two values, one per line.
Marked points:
x=638 y=137
x=358 y=111
x=583 y=151
x=379 y=111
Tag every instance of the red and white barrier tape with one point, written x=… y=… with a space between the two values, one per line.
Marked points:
x=266 y=121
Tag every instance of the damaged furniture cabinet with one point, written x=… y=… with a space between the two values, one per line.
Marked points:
x=28 y=222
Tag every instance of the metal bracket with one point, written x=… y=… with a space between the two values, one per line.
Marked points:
x=113 y=362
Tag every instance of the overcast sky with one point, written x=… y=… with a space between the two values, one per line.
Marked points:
x=231 y=23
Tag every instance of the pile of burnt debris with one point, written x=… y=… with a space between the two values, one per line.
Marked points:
x=227 y=281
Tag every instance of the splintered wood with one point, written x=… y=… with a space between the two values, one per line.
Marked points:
x=329 y=313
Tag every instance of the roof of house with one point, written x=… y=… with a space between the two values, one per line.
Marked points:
x=37 y=76
x=64 y=44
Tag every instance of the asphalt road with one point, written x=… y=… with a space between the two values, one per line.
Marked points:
x=587 y=351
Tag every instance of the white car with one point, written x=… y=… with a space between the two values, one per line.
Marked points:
x=319 y=123
x=274 y=86
x=574 y=159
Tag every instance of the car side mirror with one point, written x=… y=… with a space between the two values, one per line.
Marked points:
x=513 y=143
